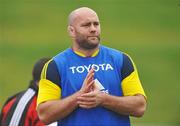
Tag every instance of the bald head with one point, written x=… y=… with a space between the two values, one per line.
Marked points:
x=84 y=29
x=79 y=13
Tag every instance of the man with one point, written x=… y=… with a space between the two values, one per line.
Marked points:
x=89 y=84
x=20 y=109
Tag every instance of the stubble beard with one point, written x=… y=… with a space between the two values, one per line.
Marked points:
x=86 y=44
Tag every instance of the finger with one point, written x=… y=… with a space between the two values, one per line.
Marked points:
x=86 y=99
x=90 y=78
x=87 y=106
x=86 y=103
x=89 y=85
x=90 y=72
x=90 y=94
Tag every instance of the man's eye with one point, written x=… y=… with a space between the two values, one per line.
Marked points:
x=96 y=23
x=86 y=25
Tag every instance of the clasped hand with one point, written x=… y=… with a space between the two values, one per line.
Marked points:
x=90 y=96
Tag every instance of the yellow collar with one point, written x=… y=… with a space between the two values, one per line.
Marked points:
x=93 y=55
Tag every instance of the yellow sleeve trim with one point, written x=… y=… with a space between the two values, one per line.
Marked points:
x=48 y=91
x=131 y=85
x=43 y=73
x=131 y=60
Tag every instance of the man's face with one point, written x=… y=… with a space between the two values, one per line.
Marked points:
x=87 y=31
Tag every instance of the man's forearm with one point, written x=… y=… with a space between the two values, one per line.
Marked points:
x=126 y=105
x=54 y=110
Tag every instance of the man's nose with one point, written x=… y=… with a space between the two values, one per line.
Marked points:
x=93 y=28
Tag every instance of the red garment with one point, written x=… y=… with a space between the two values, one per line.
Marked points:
x=29 y=115
x=32 y=118
x=6 y=108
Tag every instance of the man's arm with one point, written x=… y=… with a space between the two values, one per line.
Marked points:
x=126 y=105
x=53 y=110
x=133 y=101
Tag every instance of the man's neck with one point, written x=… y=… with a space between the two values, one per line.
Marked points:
x=86 y=53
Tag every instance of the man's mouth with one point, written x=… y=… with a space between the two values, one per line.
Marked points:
x=92 y=36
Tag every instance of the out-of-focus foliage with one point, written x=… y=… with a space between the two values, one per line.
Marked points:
x=148 y=30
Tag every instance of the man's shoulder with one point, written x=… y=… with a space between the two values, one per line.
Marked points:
x=62 y=54
x=110 y=50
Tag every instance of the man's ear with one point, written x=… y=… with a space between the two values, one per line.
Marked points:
x=71 y=31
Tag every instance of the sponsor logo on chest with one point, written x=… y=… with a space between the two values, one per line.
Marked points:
x=97 y=67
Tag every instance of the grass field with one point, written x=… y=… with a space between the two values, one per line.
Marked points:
x=148 y=30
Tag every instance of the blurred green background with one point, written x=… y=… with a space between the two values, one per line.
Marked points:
x=148 y=30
